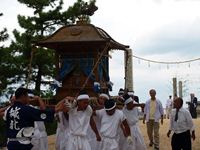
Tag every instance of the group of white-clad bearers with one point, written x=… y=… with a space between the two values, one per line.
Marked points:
x=103 y=126
x=99 y=128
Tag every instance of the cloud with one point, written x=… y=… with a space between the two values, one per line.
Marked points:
x=181 y=37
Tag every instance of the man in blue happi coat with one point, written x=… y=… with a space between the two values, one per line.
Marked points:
x=20 y=118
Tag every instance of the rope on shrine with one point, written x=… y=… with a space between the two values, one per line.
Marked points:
x=30 y=67
x=97 y=62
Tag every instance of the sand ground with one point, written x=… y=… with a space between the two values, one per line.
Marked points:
x=164 y=140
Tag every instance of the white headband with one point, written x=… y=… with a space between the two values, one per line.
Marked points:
x=130 y=93
x=30 y=95
x=110 y=108
x=128 y=100
x=104 y=95
x=83 y=96
x=121 y=92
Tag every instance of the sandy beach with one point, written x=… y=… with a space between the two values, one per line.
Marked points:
x=164 y=140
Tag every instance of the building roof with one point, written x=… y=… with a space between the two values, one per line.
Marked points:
x=78 y=36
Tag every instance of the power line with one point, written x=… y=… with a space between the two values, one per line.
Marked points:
x=167 y=62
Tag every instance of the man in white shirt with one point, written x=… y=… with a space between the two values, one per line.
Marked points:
x=169 y=106
x=111 y=119
x=153 y=112
x=39 y=140
x=132 y=115
x=181 y=124
x=91 y=136
x=62 y=131
x=80 y=117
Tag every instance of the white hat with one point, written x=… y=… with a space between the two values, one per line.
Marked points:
x=127 y=99
x=104 y=95
x=83 y=96
x=30 y=95
x=131 y=93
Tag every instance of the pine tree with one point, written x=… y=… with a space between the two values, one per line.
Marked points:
x=3 y=33
x=4 y=57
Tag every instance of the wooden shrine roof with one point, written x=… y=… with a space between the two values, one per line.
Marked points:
x=80 y=36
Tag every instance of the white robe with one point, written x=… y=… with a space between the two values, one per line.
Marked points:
x=78 y=127
x=94 y=144
x=110 y=125
x=62 y=132
x=138 y=141
x=40 y=140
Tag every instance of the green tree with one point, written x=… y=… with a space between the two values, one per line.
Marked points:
x=48 y=15
x=3 y=33
x=4 y=57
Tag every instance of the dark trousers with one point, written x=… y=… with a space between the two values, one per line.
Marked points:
x=17 y=146
x=181 y=141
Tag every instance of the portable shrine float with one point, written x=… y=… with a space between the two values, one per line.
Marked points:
x=82 y=59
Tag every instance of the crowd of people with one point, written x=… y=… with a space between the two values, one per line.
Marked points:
x=103 y=126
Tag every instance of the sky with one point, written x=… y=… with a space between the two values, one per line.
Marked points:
x=162 y=30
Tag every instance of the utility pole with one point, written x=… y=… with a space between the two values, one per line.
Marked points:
x=128 y=69
x=180 y=89
x=174 y=87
